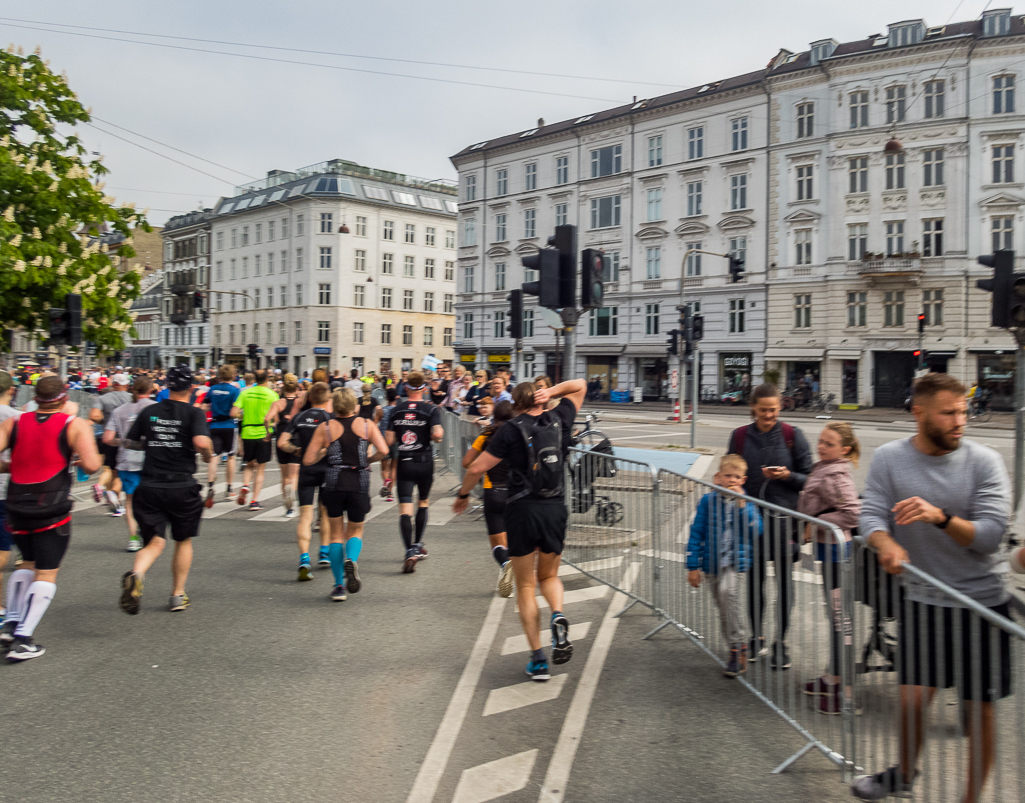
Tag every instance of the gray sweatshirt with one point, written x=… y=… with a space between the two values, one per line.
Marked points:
x=971 y=483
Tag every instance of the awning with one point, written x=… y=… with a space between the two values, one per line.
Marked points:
x=991 y=350
x=938 y=353
x=646 y=350
x=605 y=351
x=794 y=354
x=845 y=354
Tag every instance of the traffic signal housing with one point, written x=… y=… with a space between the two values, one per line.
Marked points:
x=251 y=350
x=736 y=269
x=921 y=323
x=686 y=323
x=593 y=270
x=672 y=343
x=547 y=286
x=66 y=322
x=197 y=300
x=516 y=314
x=565 y=242
x=698 y=327
x=1002 y=286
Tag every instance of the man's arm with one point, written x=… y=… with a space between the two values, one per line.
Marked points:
x=82 y=442
x=318 y=445
x=572 y=389
x=803 y=461
x=203 y=445
x=96 y=415
x=875 y=517
x=477 y=469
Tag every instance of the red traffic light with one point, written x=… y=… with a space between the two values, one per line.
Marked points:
x=916 y=353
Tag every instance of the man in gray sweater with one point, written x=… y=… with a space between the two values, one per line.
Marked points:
x=941 y=503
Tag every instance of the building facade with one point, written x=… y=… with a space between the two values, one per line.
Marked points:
x=337 y=266
x=185 y=327
x=143 y=349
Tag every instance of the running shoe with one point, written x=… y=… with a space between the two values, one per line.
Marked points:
x=178 y=602
x=324 y=560
x=421 y=551
x=737 y=665
x=289 y=501
x=562 y=648
x=538 y=670
x=254 y=505
x=389 y=497
x=352 y=581
x=384 y=491
x=209 y=503
x=7 y=632
x=99 y=493
x=131 y=592
x=820 y=687
x=338 y=594
x=756 y=648
x=881 y=785
x=780 y=658
x=113 y=501
x=305 y=572
x=505 y=580
x=24 y=649
x=290 y=513
x=409 y=564
x=241 y=498
x=134 y=544
x=118 y=512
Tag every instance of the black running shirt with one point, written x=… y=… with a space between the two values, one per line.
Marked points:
x=304 y=424
x=167 y=429
x=412 y=422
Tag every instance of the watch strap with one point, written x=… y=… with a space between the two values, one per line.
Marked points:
x=946 y=521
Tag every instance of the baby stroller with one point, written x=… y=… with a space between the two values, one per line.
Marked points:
x=583 y=472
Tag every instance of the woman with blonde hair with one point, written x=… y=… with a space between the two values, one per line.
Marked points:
x=280 y=413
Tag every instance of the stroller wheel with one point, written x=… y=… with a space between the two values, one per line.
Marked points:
x=609 y=513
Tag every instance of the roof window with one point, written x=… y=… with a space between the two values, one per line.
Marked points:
x=639 y=105
x=375 y=192
x=277 y=196
x=583 y=119
x=452 y=207
x=403 y=198
x=243 y=204
x=906 y=33
x=225 y=208
x=479 y=145
x=996 y=22
x=430 y=203
x=528 y=133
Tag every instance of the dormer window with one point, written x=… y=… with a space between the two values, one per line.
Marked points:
x=996 y=22
x=906 y=33
x=822 y=50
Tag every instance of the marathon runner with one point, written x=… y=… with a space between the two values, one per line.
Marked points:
x=108 y=487
x=39 y=506
x=129 y=461
x=170 y=432
x=388 y=464
x=251 y=407
x=220 y=399
x=414 y=424
x=280 y=413
x=7 y=391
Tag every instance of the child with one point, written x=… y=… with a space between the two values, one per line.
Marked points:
x=721 y=536
x=486 y=407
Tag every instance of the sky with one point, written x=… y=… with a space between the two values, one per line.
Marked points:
x=250 y=115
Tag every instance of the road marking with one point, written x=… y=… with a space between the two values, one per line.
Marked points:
x=433 y=767
x=514 y=644
x=553 y=790
x=700 y=467
x=220 y=508
x=380 y=508
x=496 y=778
x=509 y=698
x=590 y=566
x=660 y=435
x=441 y=514
x=577 y=595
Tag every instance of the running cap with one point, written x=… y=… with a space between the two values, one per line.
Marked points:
x=179 y=377
x=121 y=379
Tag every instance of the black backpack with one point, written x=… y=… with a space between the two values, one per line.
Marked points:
x=545 y=475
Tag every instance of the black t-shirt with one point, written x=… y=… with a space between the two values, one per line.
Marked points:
x=438 y=396
x=367 y=405
x=167 y=429
x=412 y=422
x=303 y=425
x=508 y=444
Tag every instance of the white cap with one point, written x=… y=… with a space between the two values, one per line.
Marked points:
x=121 y=379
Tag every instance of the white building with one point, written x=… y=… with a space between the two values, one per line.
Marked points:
x=343 y=267
x=185 y=330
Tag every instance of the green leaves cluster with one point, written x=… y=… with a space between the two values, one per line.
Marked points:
x=53 y=210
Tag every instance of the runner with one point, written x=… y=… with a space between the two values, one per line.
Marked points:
x=171 y=433
x=414 y=424
x=294 y=441
x=39 y=507
x=129 y=461
x=220 y=400
x=279 y=415
x=346 y=490
x=7 y=391
x=251 y=407
x=369 y=407
x=388 y=464
x=108 y=487
x=536 y=513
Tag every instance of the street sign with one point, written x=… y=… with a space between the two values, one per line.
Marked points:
x=674 y=379
x=551 y=318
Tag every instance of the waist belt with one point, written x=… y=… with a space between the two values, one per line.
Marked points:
x=180 y=476
x=418 y=458
x=221 y=418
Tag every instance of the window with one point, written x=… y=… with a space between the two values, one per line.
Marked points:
x=447 y=336
x=300 y=224
x=738 y=191
x=428 y=302
x=448 y=304
x=469 y=231
x=327 y=222
x=805 y=185
x=388 y=230
x=605 y=212
x=407 y=300
x=284 y=227
x=500 y=233
x=934 y=99
x=895 y=103
x=655 y=151
x=388 y=264
x=470 y=184
x=242 y=333
x=323 y=331
x=895 y=171
x=693 y=266
x=219 y=271
x=231 y=334
x=894 y=237
x=324 y=294
x=1003 y=94
x=802 y=240
x=802 y=311
x=407 y=335
x=1003 y=233
x=606 y=161
x=805 y=120
x=270 y=230
x=499 y=276
x=738 y=134
x=325 y=258
x=270 y=297
x=258 y=233
x=893 y=308
x=529 y=223
x=932 y=307
x=530 y=176
x=561 y=214
x=562 y=170
x=468 y=326
x=932 y=164
x=604 y=321
x=696 y=142
x=694 y=197
x=298 y=259
x=298 y=331
x=932 y=237
x=499 y=324
x=245 y=267
x=359 y=296
x=428 y=268
x=428 y=335
x=410 y=233
x=858 y=105
x=736 y=315
x=738 y=248
x=217 y=334
x=220 y=240
x=231 y=301
x=220 y=302
x=409 y=267
x=385 y=298
x=270 y=264
x=361 y=226
x=298 y=295
x=655 y=204
x=450 y=239
x=857 y=309
x=245 y=236
x=502 y=181
x=653 y=260
x=359 y=261
x=284 y=261
x=857 y=240
x=281 y=333
x=468 y=279
x=1003 y=164
x=429 y=236
x=357 y=332
x=234 y=238
x=996 y=23
x=651 y=319
x=256 y=299
x=528 y=323
x=857 y=170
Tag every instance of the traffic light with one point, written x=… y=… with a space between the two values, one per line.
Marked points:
x=736 y=268
x=252 y=351
x=215 y=356
x=1001 y=286
x=921 y=323
x=672 y=344
x=686 y=323
x=546 y=288
x=66 y=322
x=197 y=300
x=916 y=354
x=593 y=270
x=515 y=314
x=698 y=327
x=565 y=242
x=1017 y=303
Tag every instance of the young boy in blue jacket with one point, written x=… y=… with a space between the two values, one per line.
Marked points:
x=721 y=538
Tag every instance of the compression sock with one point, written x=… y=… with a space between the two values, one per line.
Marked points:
x=17 y=590
x=406 y=528
x=421 y=523
x=304 y=558
x=39 y=596
x=336 y=552
x=323 y=553
x=210 y=485
x=500 y=554
x=538 y=655
x=353 y=547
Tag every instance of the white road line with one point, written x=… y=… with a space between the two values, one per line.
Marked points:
x=509 y=698
x=577 y=595
x=220 y=508
x=553 y=790
x=591 y=566
x=513 y=644
x=495 y=779
x=433 y=767
x=441 y=514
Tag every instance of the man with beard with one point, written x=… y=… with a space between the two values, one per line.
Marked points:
x=941 y=503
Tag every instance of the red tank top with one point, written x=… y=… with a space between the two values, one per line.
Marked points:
x=40 y=448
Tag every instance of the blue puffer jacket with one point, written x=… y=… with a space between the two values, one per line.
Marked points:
x=717 y=514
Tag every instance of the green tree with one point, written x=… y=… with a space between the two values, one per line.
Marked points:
x=53 y=209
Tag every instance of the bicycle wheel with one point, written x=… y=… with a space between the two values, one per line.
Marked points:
x=828 y=407
x=589 y=438
x=983 y=416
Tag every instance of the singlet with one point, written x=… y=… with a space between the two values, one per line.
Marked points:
x=39 y=492
x=497 y=477
x=412 y=422
x=348 y=469
x=286 y=414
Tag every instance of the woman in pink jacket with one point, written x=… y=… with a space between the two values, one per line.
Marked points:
x=831 y=495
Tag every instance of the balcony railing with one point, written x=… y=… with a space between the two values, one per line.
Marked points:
x=179 y=318
x=179 y=289
x=887 y=266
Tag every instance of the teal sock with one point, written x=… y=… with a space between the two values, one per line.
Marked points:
x=353 y=547
x=304 y=558
x=336 y=552
x=323 y=551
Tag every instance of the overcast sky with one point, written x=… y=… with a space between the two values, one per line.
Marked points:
x=255 y=115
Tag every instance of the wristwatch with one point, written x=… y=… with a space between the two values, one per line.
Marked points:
x=463 y=496
x=946 y=521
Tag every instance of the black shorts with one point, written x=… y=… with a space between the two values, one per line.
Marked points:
x=536 y=525
x=45 y=549
x=494 y=509
x=155 y=508
x=310 y=479
x=109 y=454
x=409 y=474
x=353 y=504
x=225 y=441
x=256 y=449
x=286 y=459
x=931 y=653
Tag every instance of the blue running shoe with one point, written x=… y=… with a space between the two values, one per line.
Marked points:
x=538 y=670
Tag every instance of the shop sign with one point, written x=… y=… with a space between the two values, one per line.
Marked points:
x=467 y=358
x=281 y=349
x=498 y=358
x=234 y=349
x=321 y=349
x=736 y=361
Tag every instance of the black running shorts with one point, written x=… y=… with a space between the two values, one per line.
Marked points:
x=256 y=449
x=225 y=441
x=536 y=525
x=155 y=508
x=109 y=454
x=494 y=509
x=286 y=459
x=310 y=479
x=353 y=504
x=45 y=549
x=410 y=474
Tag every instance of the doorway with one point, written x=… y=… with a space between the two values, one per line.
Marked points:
x=894 y=372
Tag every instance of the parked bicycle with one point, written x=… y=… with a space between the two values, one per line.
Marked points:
x=822 y=403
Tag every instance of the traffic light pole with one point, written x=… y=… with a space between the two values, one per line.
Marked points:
x=570 y=316
x=1019 y=417
x=695 y=391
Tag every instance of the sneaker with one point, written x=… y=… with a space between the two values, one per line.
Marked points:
x=254 y=505
x=134 y=544
x=409 y=564
x=389 y=497
x=421 y=551
x=352 y=581
x=780 y=658
x=230 y=494
x=113 y=502
x=881 y=785
x=7 y=632
x=385 y=491
x=562 y=648
x=24 y=649
x=179 y=602
x=290 y=513
x=99 y=493
x=241 y=498
x=338 y=594
x=118 y=512
x=538 y=670
x=323 y=560
x=209 y=502
x=832 y=704
x=737 y=665
x=505 y=580
x=756 y=648
x=131 y=592
x=820 y=687
x=305 y=572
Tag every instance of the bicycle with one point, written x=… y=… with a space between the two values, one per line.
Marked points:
x=822 y=404
x=978 y=410
x=585 y=468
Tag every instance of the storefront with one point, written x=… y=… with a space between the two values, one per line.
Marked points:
x=653 y=373
x=236 y=357
x=893 y=371
x=280 y=358
x=849 y=382
x=735 y=374
x=498 y=360
x=996 y=378
x=322 y=356
x=468 y=361
x=602 y=377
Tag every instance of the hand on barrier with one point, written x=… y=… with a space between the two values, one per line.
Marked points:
x=892 y=556
x=694 y=577
x=915 y=509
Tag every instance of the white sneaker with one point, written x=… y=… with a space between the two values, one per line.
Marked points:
x=505 y=580
x=290 y=513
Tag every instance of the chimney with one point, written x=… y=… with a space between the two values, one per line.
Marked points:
x=540 y=122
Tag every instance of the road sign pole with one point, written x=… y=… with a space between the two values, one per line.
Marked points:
x=569 y=318
x=1019 y=417
x=696 y=384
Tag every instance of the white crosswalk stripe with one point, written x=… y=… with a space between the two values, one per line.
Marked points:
x=496 y=778
x=576 y=595
x=514 y=644
x=519 y=695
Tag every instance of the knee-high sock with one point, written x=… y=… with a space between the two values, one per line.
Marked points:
x=406 y=528
x=17 y=591
x=353 y=547
x=421 y=522
x=39 y=596
x=336 y=553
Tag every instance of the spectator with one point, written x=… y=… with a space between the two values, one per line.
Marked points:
x=355 y=384
x=499 y=391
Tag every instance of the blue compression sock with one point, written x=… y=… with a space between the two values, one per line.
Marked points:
x=353 y=547
x=336 y=552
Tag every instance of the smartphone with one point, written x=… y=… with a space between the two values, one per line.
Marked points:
x=771 y=468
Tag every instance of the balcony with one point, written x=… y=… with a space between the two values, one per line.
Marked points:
x=180 y=289
x=885 y=267
x=179 y=318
